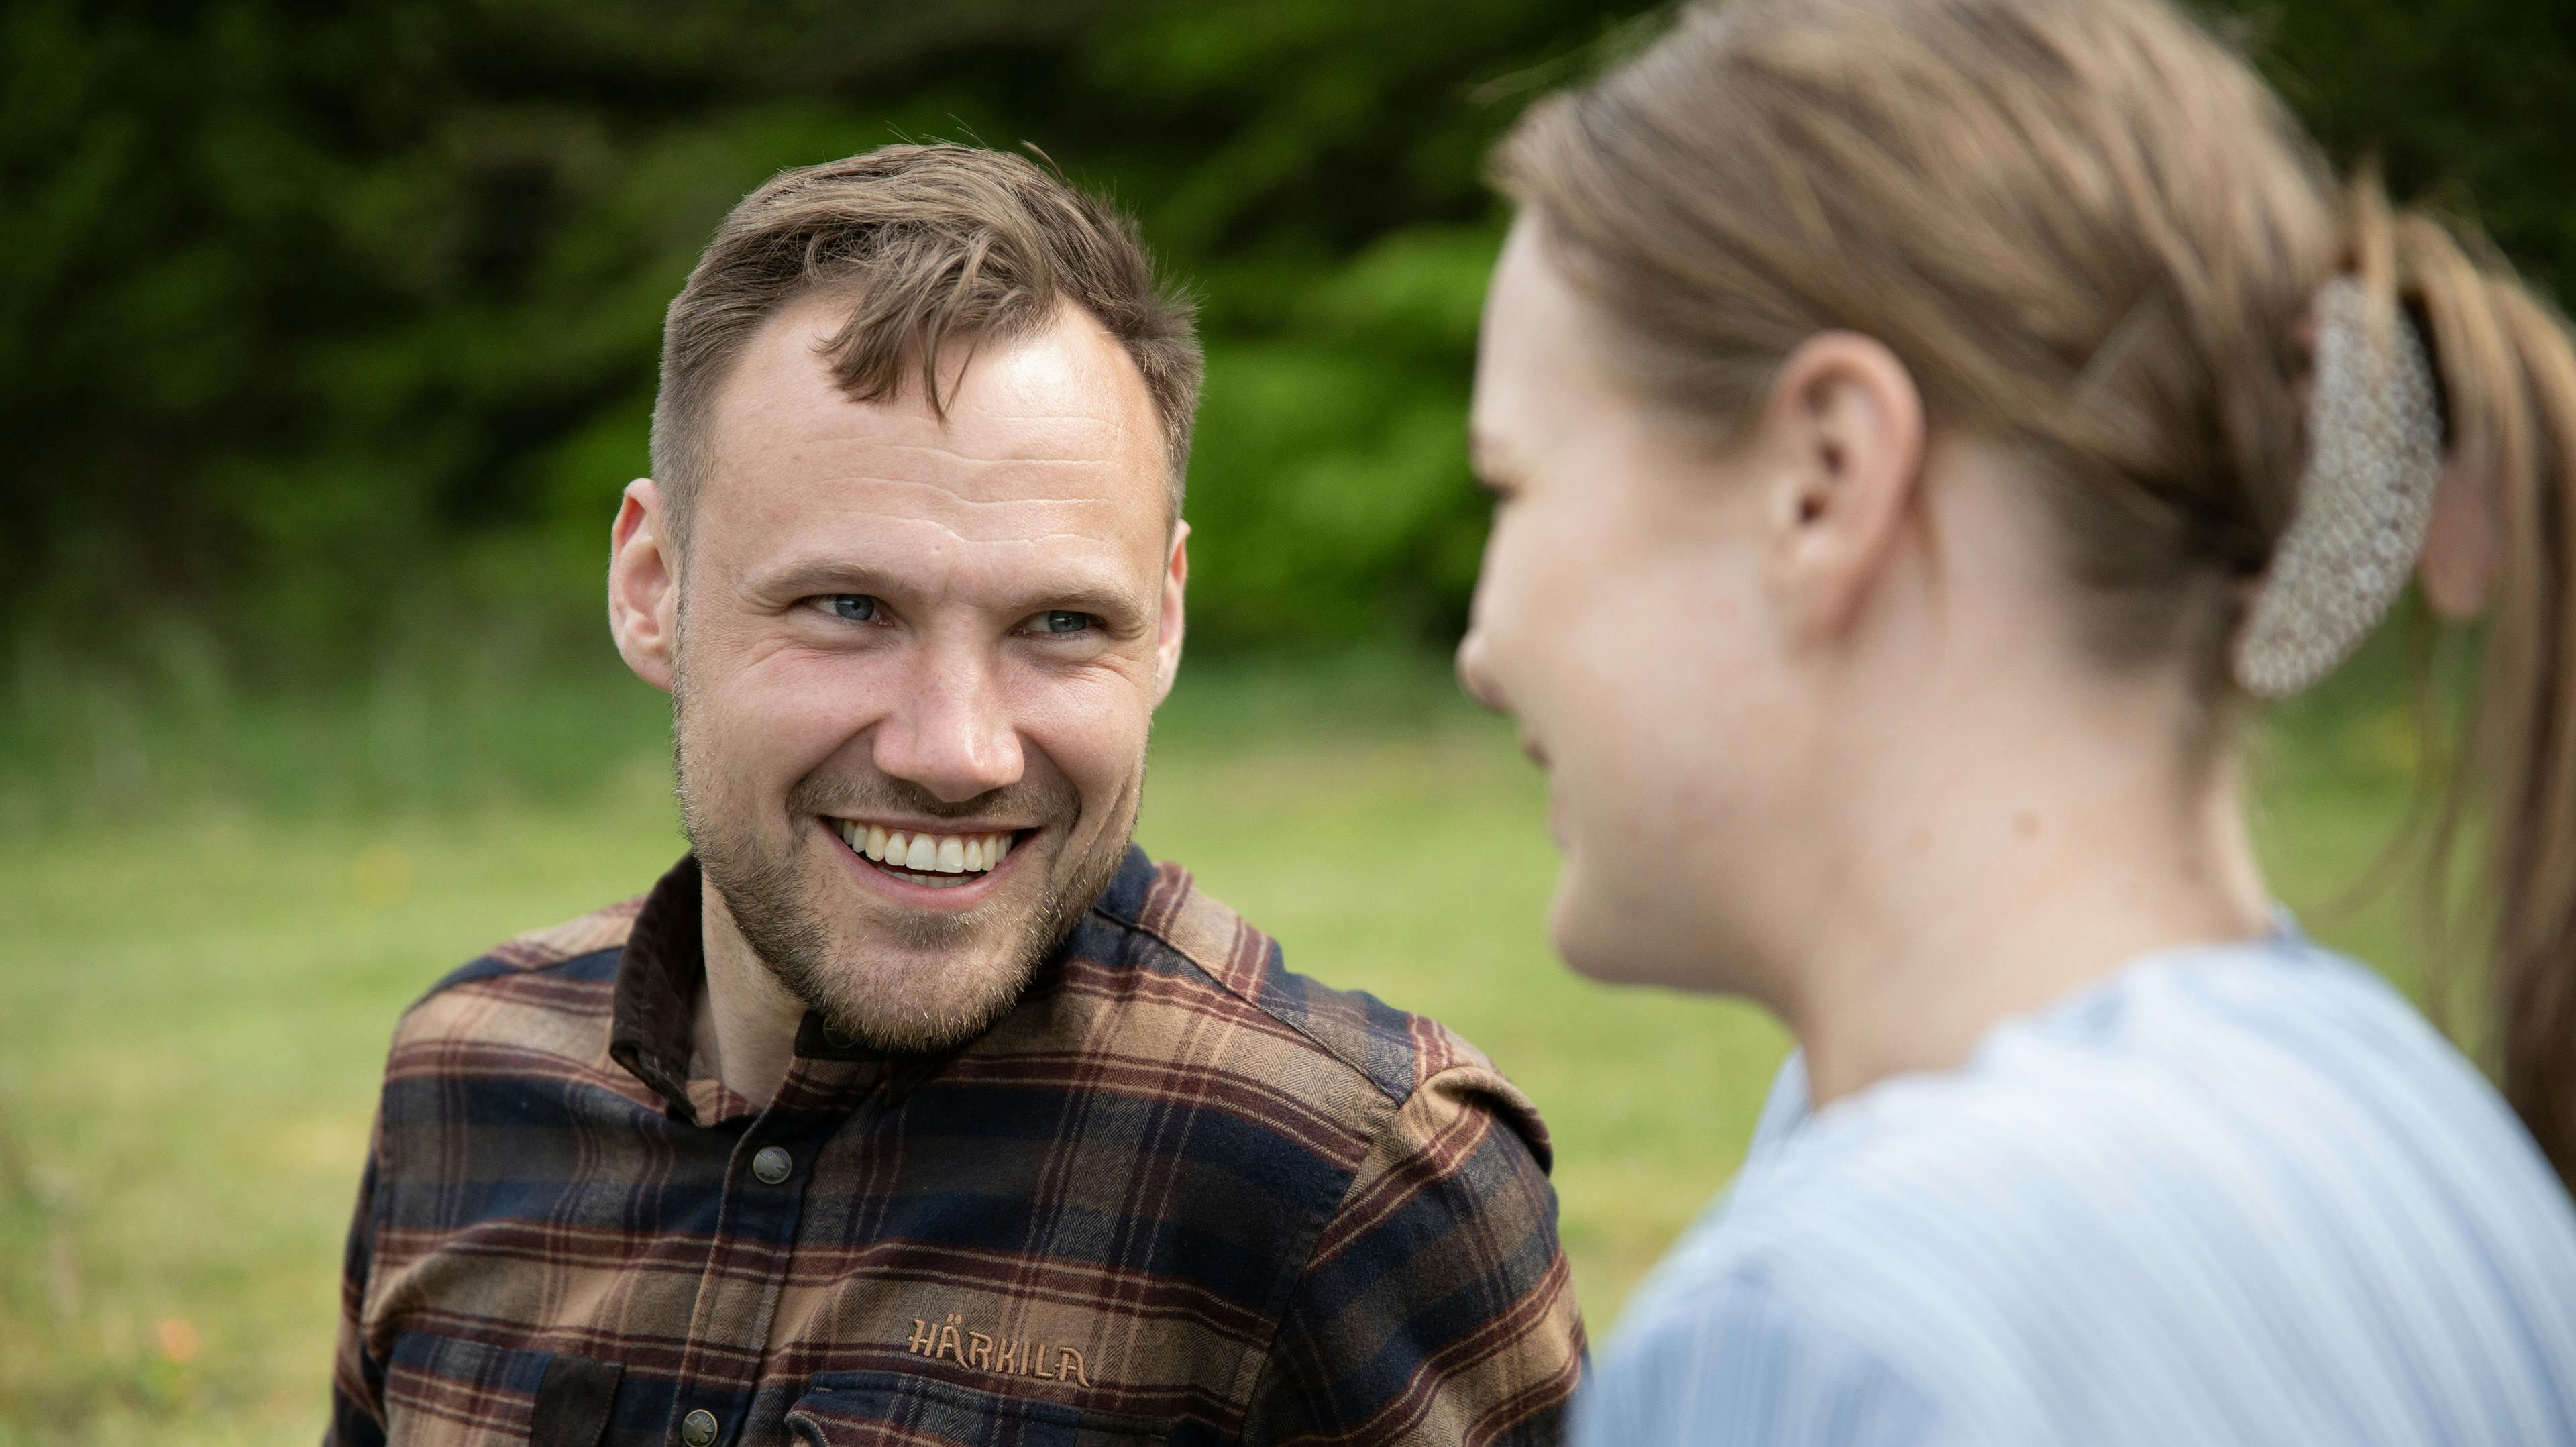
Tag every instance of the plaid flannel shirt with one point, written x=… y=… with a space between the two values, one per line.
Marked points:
x=1178 y=1195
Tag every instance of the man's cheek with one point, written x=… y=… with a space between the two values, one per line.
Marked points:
x=797 y=721
x=1098 y=766
x=1086 y=731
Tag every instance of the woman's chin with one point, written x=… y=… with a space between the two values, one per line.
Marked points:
x=1587 y=937
x=1616 y=940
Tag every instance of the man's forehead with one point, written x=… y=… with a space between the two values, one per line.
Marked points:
x=977 y=496
x=1049 y=431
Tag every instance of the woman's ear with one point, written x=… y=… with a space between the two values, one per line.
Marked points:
x=643 y=585
x=2463 y=542
x=1844 y=429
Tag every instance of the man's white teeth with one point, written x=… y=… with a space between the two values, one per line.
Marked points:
x=925 y=853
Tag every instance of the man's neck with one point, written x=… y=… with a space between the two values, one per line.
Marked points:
x=744 y=1021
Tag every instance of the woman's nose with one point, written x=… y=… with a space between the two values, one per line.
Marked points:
x=1473 y=675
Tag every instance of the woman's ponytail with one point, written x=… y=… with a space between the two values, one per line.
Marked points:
x=2505 y=542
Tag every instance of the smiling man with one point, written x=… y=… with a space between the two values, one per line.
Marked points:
x=916 y=1105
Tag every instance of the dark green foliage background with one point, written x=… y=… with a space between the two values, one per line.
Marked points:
x=327 y=331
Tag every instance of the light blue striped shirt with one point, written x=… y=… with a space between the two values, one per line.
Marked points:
x=2236 y=1194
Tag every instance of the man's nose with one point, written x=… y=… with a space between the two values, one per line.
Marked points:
x=950 y=732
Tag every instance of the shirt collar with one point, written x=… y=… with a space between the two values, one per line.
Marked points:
x=658 y=977
x=664 y=965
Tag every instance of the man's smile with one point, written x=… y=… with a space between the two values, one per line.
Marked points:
x=923 y=859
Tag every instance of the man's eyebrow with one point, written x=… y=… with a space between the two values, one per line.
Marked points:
x=803 y=577
x=1084 y=596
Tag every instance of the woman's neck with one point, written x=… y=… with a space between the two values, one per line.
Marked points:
x=2044 y=854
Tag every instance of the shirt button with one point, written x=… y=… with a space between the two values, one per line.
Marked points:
x=838 y=1038
x=772 y=1166
x=698 y=1429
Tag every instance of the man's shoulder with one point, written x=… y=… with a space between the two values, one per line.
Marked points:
x=1392 y=1053
x=537 y=985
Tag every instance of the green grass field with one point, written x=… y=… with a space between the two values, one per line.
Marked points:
x=209 y=920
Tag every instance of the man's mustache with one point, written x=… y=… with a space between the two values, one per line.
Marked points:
x=847 y=798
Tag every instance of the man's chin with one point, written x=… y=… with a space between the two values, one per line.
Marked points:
x=906 y=1019
x=914 y=981
x=897 y=976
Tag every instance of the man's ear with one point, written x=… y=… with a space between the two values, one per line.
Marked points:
x=644 y=584
x=1167 y=637
x=1844 y=432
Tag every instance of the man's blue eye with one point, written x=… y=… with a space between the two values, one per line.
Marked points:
x=1061 y=621
x=854 y=607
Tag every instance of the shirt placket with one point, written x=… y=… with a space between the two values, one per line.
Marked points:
x=755 y=1243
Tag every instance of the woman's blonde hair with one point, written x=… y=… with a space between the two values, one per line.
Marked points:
x=2091 y=232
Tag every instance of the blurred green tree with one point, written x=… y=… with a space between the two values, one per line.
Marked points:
x=325 y=326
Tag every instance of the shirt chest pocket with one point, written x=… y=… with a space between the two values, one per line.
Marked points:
x=887 y=1409
x=443 y=1392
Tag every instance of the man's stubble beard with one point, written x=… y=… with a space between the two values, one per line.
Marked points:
x=773 y=909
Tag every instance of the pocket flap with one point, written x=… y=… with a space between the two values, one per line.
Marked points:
x=572 y=1406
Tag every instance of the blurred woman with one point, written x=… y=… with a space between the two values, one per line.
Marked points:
x=1919 y=429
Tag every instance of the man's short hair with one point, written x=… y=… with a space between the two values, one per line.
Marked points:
x=935 y=247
